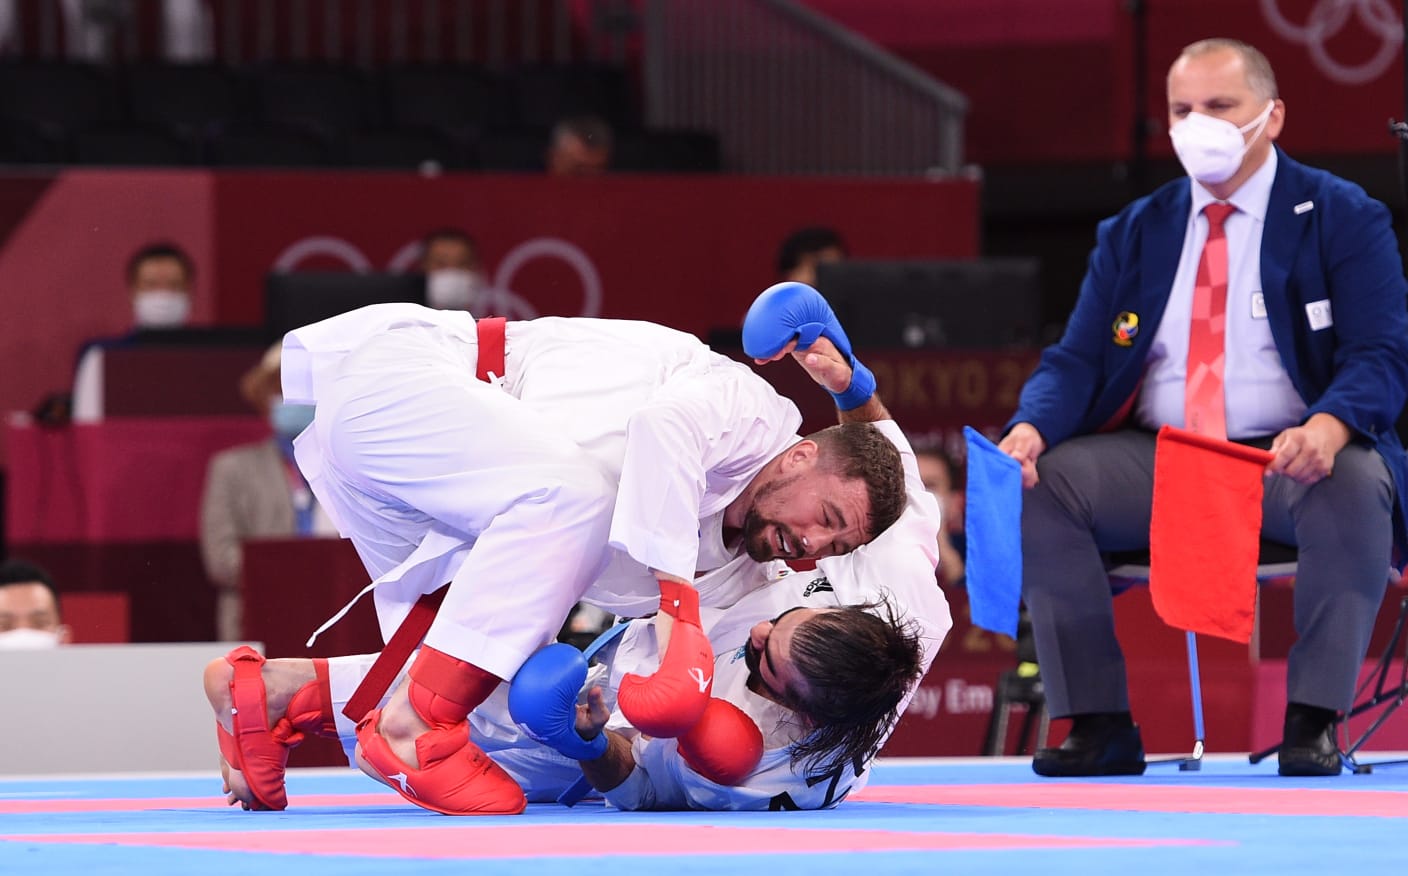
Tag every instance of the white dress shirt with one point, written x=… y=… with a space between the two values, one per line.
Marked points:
x=1257 y=391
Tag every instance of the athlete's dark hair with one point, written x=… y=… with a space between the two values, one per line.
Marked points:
x=859 y=451
x=859 y=661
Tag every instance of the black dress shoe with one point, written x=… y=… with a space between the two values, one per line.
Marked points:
x=1308 y=743
x=1098 y=745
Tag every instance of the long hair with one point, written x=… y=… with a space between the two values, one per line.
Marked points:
x=859 y=662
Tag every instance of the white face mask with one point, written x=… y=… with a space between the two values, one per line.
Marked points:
x=1210 y=149
x=160 y=308
x=26 y=639
x=452 y=289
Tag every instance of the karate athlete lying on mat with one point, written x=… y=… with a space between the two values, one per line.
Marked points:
x=804 y=690
x=584 y=443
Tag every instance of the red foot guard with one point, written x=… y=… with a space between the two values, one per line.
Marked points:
x=258 y=751
x=455 y=776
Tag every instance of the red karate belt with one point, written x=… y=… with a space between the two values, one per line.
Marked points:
x=412 y=630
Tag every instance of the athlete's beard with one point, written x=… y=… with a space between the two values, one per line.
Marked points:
x=751 y=658
x=756 y=538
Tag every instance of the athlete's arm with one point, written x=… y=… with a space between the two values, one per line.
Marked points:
x=615 y=766
x=612 y=768
x=832 y=371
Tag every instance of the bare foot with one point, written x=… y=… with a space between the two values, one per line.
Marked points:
x=400 y=726
x=282 y=679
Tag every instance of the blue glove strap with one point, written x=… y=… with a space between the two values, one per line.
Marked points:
x=592 y=748
x=573 y=795
x=861 y=389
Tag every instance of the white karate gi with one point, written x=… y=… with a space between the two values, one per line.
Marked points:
x=600 y=432
x=899 y=563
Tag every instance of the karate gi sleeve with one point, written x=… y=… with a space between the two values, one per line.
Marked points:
x=662 y=780
x=700 y=433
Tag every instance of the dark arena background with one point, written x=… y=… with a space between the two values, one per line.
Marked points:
x=298 y=153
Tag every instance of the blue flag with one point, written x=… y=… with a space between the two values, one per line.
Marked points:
x=993 y=528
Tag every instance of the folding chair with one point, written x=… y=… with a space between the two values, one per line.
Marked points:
x=1387 y=698
x=1128 y=568
x=1016 y=688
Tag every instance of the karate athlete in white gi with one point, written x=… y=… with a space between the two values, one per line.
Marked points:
x=592 y=443
x=804 y=691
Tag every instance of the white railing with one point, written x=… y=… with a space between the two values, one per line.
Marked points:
x=789 y=91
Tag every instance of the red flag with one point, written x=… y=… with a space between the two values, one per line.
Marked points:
x=1205 y=533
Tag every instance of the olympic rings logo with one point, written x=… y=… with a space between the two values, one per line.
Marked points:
x=497 y=297
x=1327 y=18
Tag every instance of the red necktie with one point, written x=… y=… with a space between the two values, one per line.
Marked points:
x=1204 y=410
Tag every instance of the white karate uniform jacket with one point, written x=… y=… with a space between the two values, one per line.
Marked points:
x=898 y=565
x=600 y=432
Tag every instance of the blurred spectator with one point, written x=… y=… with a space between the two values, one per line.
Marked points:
x=159 y=280
x=802 y=250
x=944 y=479
x=580 y=146
x=454 y=277
x=29 y=609
x=159 y=277
x=255 y=491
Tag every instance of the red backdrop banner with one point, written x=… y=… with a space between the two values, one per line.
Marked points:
x=690 y=253
x=687 y=252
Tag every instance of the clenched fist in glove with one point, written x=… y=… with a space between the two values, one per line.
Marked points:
x=795 y=311
x=542 y=698
x=670 y=702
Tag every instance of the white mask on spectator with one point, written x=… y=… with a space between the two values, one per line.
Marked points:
x=160 y=308
x=452 y=288
x=1212 y=149
x=26 y=639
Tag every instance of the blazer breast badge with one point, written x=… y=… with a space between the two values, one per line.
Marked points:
x=1125 y=328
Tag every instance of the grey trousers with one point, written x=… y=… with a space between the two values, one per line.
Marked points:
x=1094 y=495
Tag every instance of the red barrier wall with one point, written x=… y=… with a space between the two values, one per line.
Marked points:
x=690 y=253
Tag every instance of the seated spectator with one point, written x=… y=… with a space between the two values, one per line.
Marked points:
x=580 y=146
x=29 y=609
x=255 y=491
x=944 y=479
x=802 y=250
x=159 y=281
x=454 y=277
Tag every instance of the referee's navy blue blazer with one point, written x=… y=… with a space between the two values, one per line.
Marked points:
x=1324 y=240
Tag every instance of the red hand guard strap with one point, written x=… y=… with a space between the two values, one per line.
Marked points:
x=680 y=601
